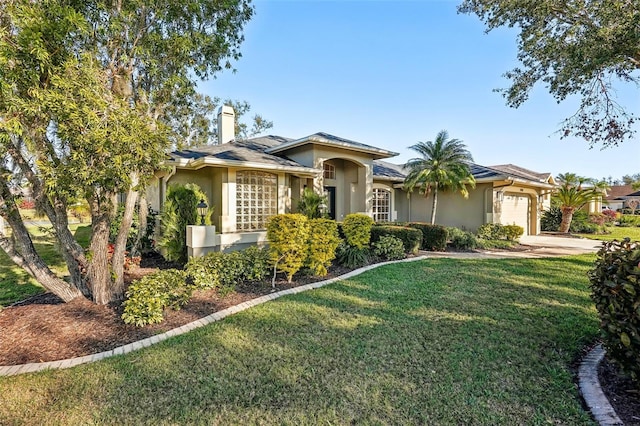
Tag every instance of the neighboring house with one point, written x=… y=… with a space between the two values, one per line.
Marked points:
x=248 y=181
x=618 y=195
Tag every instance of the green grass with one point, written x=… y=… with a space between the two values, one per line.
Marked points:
x=16 y=284
x=439 y=341
x=617 y=233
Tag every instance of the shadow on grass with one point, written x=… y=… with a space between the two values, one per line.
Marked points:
x=432 y=342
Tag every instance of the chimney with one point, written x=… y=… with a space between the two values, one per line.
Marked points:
x=226 y=124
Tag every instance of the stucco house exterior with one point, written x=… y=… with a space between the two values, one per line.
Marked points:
x=618 y=195
x=247 y=181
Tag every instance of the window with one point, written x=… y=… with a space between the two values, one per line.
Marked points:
x=381 y=205
x=256 y=199
x=329 y=171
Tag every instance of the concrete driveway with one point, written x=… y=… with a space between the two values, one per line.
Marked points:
x=532 y=246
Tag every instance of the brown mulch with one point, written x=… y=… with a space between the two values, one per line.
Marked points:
x=43 y=328
x=621 y=392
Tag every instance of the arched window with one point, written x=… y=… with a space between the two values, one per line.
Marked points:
x=256 y=199
x=381 y=205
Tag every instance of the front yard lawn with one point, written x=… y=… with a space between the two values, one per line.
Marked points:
x=16 y=284
x=438 y=341
x=617 y=233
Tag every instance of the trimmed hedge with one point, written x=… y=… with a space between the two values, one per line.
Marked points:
x=434 y=237
x=615 y=285
x=357 y=230
x=411 y=237
x=288 y=235
x=323 y=242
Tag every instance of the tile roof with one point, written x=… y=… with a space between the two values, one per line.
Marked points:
x=616 y=191
x=331 y=140
x=250 y=150
x=396 y=172
x=512 y=169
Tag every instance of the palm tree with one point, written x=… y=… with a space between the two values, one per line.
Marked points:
x=443 y=165
x=572 y=195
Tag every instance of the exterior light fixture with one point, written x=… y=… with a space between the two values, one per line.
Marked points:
x=500 y=196
x=202 y=210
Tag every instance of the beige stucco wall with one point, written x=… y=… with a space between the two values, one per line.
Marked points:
x=452 y=209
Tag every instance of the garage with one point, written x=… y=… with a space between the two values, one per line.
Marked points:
x=515 y=209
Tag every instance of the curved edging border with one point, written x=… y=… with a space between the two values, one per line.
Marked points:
x=596 y=400
x=13 y=370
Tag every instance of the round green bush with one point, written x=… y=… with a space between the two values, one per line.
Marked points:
x=389 y=247
x=615 y=286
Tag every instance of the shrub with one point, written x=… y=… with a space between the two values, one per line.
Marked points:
x=513 y=232
x=310 y=202
x=629 y=220
x=411 y=238
x=357 y=229
x=597 y=218
x=434 y=237
x=551 y=219
x=461 y=240
x=615 y=285
x=388 y=247
x=288 y=235
x=147 y=298
x=27 y=204
x=352 y=257
x=256 y=263
x=610 y=216
x=323 y=242
x=491 y=231
x=179 y=211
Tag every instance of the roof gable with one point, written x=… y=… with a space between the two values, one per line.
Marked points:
x=326 y=139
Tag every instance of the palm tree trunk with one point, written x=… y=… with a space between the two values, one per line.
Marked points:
x=434 y=206
x=567 y=217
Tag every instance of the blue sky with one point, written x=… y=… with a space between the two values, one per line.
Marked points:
x=392 y=73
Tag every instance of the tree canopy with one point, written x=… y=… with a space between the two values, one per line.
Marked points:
x=574 y=48
x=89 y=92
x=443 y=165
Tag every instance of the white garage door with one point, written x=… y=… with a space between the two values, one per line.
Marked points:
x=515 y=209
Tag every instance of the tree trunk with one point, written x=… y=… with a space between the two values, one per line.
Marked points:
x=120 y=246
x=434 y=206
x=567 y=216
x=23 y=253
x=99 y=272
x=143 y=212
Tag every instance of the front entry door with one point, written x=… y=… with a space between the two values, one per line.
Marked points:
x=330 y=191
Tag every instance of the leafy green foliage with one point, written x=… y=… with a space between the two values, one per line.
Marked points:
x=180 y=210
x=615 y=285
x=410 y=237
x=223 y=271
x=629 y=220
x=461 y=240
x=148 y=297
x=443 y=165
x=513 y=232
x=352 y=257
x=357 y=230
x=434 y=237
x=388 y=247
x=551 y=221
x=288 y=235
x=572 y=49
x=491 y=231
x=323 y=242
x=310 y=202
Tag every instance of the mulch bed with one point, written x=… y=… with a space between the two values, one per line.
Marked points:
x=621 y=392
x=43 y=328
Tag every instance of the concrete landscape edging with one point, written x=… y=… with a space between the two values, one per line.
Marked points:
x=596 y=400
x=13 y=370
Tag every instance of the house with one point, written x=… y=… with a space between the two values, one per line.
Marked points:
x=248 y=181
x=617 y=196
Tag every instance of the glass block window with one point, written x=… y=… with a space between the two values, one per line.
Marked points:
x=256 y=199
x=381 y=205
x=329 y=171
